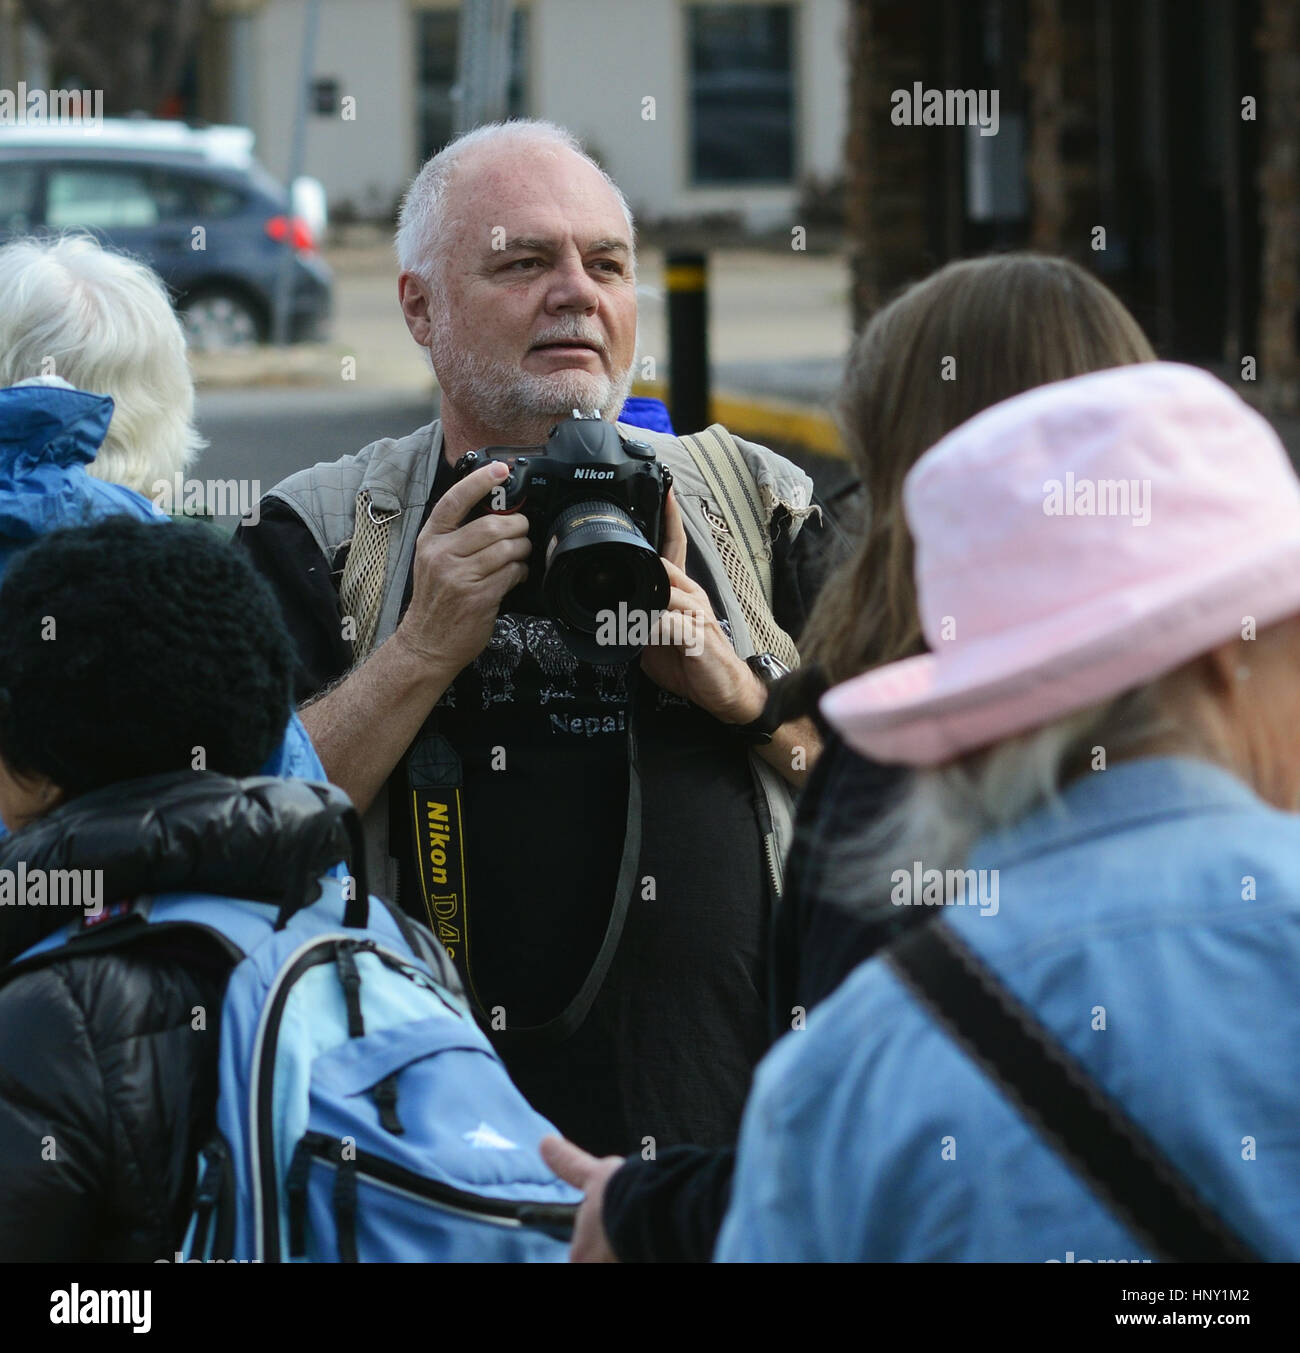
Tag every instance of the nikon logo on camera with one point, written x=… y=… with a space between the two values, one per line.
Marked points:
x=593 y=474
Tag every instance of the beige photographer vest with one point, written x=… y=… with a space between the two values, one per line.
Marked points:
x=374 y=501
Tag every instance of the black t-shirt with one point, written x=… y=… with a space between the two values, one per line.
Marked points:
x=666 y=1052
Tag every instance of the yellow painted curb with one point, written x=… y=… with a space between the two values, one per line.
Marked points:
x=763 y=420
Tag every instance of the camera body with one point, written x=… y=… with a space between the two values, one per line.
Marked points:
x=595 y=506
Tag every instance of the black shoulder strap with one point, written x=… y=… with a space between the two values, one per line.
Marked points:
x=131 y=929
x=1116 y=1158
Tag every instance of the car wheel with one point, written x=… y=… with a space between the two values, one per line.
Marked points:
x=219 y=319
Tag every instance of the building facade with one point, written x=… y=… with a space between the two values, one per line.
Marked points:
x=694 y=109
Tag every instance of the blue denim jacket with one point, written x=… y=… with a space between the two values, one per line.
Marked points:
x=1151 y=920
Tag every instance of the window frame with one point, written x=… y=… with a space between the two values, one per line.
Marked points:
x=691 y=180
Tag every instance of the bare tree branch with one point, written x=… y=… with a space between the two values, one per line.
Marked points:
x=134 y=50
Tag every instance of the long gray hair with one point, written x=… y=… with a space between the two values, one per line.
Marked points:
x=943 y=811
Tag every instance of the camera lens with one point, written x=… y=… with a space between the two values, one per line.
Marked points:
x=601 y=584
x=598 y=561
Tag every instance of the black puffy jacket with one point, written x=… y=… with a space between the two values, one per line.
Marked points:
x=107 y=1068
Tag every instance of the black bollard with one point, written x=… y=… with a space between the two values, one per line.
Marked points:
x=686 y=277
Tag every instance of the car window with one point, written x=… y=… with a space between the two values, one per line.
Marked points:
x=210 y=199
x=100 y=197
x=19 y=185
x=113 y=196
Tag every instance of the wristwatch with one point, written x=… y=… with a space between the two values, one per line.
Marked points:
x=769 y=669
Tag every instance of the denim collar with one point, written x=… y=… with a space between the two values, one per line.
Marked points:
x=1126 y=795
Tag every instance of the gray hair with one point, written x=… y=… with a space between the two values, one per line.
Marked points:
x=942 y=811
x=103 y=322
x=423 y=229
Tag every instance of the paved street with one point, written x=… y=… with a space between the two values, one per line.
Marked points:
x=265 y=434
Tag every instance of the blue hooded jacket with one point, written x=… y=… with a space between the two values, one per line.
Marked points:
x=48 y=435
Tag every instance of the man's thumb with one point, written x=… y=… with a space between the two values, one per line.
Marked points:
x=570 y=1162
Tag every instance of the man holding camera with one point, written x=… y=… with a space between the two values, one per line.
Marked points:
x=597 y=843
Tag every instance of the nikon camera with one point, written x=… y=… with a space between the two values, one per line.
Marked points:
x=595 y=507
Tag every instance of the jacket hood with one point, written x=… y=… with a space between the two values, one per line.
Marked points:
x=52 y=423
x=263 y=839
x=48 y=435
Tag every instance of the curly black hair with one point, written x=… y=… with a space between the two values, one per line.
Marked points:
x=128 y=646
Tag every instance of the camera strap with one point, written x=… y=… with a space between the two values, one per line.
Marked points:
x=435 y=783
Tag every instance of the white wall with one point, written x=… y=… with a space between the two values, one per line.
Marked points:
x=824 y=85
x=592 y=77
x=591 y=69
x=370 y=49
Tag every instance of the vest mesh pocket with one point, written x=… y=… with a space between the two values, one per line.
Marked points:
x=767 y=635
x=361 y=590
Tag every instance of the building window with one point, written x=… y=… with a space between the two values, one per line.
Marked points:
x=742 y=93
x=439 y=37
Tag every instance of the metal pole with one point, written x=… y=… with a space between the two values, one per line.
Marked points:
x=284 y=282
x=482 y=63
x=686 y=279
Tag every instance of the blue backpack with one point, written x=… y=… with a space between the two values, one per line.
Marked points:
x=362 y=1114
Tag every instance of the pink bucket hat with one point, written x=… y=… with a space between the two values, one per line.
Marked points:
x=1071 y=543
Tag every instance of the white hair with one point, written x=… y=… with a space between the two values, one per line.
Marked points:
x=423 y=230
x=103 y=322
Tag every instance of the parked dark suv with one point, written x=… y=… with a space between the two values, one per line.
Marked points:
x=190 y=202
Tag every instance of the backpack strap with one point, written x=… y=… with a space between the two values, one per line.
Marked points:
x=235 y=923
x=230 y=928
x=1089 y=1130
x=741 y=536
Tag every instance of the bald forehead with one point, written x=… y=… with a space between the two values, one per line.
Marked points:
x=522 y=186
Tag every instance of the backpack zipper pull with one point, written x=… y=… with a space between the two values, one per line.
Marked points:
x=346 y=961
x=385 y=1094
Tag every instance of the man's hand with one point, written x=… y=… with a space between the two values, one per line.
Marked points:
x=364 y=724
x=461 y=572
x=702 y=665
x=590 y=1174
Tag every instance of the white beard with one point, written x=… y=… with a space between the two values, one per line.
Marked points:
x=502 y=395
